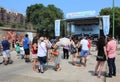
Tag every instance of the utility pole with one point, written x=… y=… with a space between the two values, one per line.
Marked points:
x=113 y=12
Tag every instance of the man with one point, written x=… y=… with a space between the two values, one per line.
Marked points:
x=111 y=53
x=26 y=46
x=6 y=52
x=84 y=52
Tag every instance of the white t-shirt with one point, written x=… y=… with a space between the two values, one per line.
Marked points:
x=42 y=50
x=84 y=44
x=22 y=51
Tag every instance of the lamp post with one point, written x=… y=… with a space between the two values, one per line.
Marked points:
x=113 y=12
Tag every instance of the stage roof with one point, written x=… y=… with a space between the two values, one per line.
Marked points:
x=84 y=21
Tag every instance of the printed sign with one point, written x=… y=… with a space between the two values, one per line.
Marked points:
x=57 y=27
x=106 y=24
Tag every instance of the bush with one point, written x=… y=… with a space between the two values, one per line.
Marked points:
x=1 y=23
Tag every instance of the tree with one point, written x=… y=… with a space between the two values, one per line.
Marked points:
x=1 y=23
x=43 y=17
x=108 y=11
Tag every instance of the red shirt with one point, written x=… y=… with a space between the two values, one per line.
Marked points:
x=89 y=43
x=34 y=51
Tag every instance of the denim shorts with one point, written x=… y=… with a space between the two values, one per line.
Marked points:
x=84 y=53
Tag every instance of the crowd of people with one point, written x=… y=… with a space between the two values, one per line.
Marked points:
x=43 y=51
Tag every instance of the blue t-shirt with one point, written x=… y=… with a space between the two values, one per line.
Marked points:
x=26 y=43
x=5 y=45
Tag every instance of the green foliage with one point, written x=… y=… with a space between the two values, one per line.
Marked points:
x=1 y=23
x=18 y=26
x=109 y=11
x=43 y=17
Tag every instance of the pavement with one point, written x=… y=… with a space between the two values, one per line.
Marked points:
x=20 y=71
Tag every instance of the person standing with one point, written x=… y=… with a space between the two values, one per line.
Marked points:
x=17 y=49
x=73 y=50
x=47 y=41
x=101 y=56
x=66 y=51
x=6 y=52
x=0 y=48
x=111 y=53
x=34 y=48
x=26 y=46
x=22 y=53
x=84 y=50
x=89 y=45
x=42 y=54
x=57 y=59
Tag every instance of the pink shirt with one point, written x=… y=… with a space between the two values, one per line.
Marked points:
x=111 y=48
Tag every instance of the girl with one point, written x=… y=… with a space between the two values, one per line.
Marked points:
x=34 y=54
x=101 y=56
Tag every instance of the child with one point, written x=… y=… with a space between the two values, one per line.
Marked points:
x=17 y=48
x=22 y=53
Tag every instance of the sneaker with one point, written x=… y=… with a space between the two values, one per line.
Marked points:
x=41 y=72
x=108 y=76
x=113 y=74
x=27 y=60
x=1 y=62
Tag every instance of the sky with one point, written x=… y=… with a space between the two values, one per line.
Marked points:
x=67 y=6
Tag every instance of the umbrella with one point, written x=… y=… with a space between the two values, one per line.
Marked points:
x=65 y=41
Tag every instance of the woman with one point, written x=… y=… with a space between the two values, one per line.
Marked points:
x=101 y=56
x=57 y=59
x=42 y=54
x=73 y=51
x=34 y=54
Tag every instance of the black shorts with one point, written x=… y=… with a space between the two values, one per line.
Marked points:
x=27 y=51
x=42 y=59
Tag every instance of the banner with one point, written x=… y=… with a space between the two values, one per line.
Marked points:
x=106 y=24
x=80 y=14
x=57 y=27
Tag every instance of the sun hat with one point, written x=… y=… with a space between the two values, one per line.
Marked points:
x=41 y=39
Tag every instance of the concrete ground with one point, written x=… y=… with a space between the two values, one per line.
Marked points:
x=20 y=71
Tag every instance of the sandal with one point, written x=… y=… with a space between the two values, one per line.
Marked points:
x=73 y=64
x=39 y=70
x=79 y=65
x=85 y=65
x=58 y=69
x=98 y=76
x=95 y=74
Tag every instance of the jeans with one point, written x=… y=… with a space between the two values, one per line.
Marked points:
x=42 y=60
x=112 y=66
x=84 y=53
x=65 y=53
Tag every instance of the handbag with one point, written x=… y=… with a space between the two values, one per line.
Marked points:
x=72 y=49
x=55 y=53
x=101 y=57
